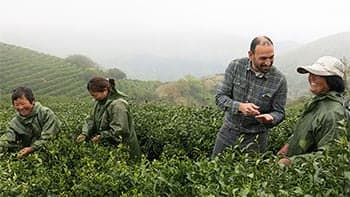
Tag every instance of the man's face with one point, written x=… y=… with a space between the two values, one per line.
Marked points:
x=262 y=58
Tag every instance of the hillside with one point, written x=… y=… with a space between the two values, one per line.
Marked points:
x=50 y=75
x=288 y=56
x=43 y=73
x=53 y=76
x=174 y=56
x=337 y=45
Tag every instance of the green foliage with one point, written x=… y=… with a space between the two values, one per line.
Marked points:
x=115 y=73
x=186 y=91
x=52 y=76
x=176 y=130
x=46 y=75
x=139 y=91
x=176 y=142
x=88 y=65
x=81 y=60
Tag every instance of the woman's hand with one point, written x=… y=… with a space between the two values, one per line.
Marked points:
x=284 y=150
x=96 y=139
x=81 y=138
x=24 y=152
x=285 y=161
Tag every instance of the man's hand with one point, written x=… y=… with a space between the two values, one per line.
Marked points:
x=96 y=139
x=249 y=109
x=80 y=138
x=24 y=152
x=264 y=118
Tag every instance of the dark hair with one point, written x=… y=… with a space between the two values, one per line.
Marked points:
x=22 y=91
x=99 y=84
x=264 y=40
x=335 y=83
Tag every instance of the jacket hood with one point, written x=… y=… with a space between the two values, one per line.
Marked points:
x=115 y=94
x=332 y=95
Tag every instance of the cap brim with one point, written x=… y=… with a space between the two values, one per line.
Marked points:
x=314 y=69
x=301 y=70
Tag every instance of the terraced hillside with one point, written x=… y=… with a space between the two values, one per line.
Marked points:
x=52 y=76
x=45 y=74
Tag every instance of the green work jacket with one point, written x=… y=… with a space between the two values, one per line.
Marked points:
x=112 y=119
x=34 y=130
x=319 y=124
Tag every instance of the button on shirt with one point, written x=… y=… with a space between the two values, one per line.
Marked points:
x=242 y=84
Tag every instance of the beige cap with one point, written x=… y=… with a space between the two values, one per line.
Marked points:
x=325 y=66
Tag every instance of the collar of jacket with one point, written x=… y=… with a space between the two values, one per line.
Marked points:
x=332 y=95
x=115 y=94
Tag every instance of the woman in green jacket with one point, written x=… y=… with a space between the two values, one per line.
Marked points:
x=32 y=126
x=111 y=119
x=319 y=124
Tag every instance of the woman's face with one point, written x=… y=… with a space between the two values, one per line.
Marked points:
x=23 y=106
x=318 y=84
x=99 y=96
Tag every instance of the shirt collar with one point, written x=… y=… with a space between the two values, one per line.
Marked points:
x=257 y=74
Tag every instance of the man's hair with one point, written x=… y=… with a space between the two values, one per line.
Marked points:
x=22 y=91
x=263 y=40
x=335 y=83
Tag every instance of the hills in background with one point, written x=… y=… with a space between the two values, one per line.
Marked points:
x=337 y=45
x=169 y=58
x=53 y=76
x=50 y=75
x=163 y=56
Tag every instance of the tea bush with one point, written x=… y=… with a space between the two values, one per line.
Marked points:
x=176 y=142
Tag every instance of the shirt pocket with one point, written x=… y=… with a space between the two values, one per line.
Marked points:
x=239 y=90
x=264 y=101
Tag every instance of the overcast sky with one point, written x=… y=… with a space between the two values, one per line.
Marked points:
x=136 y=34
x=298 y=20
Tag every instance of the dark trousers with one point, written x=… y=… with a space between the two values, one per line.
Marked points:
x=228 y=136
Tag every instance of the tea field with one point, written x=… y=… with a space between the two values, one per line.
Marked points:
x=176 y=142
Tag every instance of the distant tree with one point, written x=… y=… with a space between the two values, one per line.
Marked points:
x=116 y=73
x=81 y=60
x=187 y=91
x=91 y=68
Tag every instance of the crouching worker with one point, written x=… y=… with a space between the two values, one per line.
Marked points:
x=111 y=121
x=320 y=123
x=32 y=126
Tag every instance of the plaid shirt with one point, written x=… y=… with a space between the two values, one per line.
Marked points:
x=268 y=91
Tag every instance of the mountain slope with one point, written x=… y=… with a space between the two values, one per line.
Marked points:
x=337 y=45
x=53 y=76
x=43 y=73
